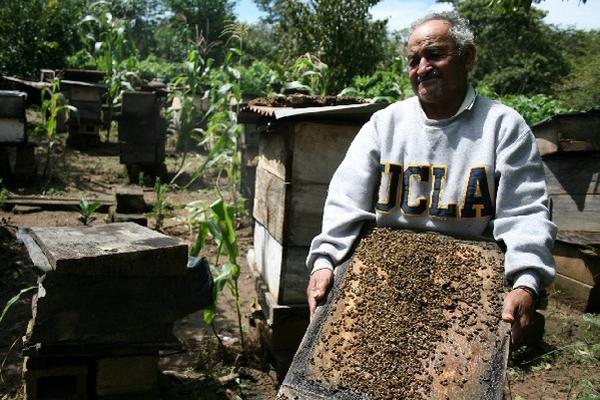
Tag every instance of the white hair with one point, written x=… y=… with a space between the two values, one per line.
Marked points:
x=460 y=31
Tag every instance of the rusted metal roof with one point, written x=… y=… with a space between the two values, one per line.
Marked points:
x=33 y=84
x=361 y=111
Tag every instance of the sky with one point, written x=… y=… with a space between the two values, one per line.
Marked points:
x=563 y=13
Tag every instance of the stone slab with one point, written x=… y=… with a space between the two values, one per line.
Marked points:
x=124 y=249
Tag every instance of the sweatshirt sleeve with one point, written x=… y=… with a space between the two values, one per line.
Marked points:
x=349 y=201
x=522 y=217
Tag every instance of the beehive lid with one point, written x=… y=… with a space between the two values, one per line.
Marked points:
x=113 y=249
x=412 y=315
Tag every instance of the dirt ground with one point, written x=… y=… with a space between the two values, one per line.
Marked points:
x=565 y=366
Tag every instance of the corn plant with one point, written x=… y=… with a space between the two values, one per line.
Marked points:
x=86 y=209
x=162 y=208
x=4 y=194
x=113 y=51
x=54 y=106
x=217 y=222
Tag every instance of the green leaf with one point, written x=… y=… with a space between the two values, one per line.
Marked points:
x=13 y=300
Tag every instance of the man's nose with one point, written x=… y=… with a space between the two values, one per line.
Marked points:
x=424 y=66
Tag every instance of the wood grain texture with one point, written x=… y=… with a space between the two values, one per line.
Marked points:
x=295 y=276
x=578 y=212
x=570 y=174
x=318 y=149
x=274 y=154
x=268 y=254
x=270 y=202
x=305 y=212
x=576 y=264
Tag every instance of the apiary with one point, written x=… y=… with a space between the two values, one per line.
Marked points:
x=410 y=316
x=570 y=149
x=142 y=134
x=107 y=299
x=12 y=117
x=299 y=146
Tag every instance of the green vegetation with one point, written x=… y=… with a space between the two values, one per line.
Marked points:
x=161 y=208
x=54 y=109
x=86 y=209
x=217 y=222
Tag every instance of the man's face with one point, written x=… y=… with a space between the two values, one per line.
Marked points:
x=437 y=73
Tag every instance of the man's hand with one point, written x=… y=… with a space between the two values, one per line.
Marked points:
x=519 y=306
x=318 y=285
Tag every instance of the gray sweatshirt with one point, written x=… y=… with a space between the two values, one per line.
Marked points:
x=458 y=176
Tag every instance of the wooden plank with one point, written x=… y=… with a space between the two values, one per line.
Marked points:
x=84 y=93
x=318 y=149
x=268 y=253
x=141 y=153
x=573 y=174
x=12 y=130
x=305 y=213
x=568 y=133
x=579 y=237
x=270 y=202
x=274 y=154
x=55 y=203
x=576 y=212
x=576 y=264
x=581 y=296
x=295 y=276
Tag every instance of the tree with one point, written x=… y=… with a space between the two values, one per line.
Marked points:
x=340 y=32
x=580 y=89
x=38 y=34
x=205 y=20
x=516 y=51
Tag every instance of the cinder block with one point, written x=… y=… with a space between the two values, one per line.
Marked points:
x=130 y=200
x=123 y=375
x=55 y=379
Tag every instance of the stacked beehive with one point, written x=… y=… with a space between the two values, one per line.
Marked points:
x=106 y=303
x=142 y=134
x=570 y=149
x=17 y=160
x=84 y=126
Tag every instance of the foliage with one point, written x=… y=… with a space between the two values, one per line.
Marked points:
x=86 y=209
x=217 y=221
x=533 y=108
x=4 y=194
x=13 y=300
x=255 y=79
x=386 y=86
x=54 y=106
x=580 y=87
x=308 y=75
x=206 y=18
x=38 y=34
x=516 y=52
x=113 y=50
x=151 y=67
x=333 y=30
x=161 y=208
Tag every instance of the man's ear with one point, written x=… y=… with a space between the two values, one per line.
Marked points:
x=469 y=57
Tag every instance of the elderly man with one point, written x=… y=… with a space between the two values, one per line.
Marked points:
x=446 y=160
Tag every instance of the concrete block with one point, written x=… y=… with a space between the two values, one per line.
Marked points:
x=124 y=375
x=130 y=200
x=124 y=249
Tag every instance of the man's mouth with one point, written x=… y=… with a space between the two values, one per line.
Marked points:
x=430 y=75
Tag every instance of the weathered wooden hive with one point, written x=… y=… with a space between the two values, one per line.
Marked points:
x=142 y=134
x=17 y=155
x=570 y=149
x=106 y=303
x=298 y=152
x=84 y=126
x=410 y=316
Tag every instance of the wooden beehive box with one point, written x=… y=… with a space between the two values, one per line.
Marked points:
x=12 y=117
x=570 y=149
x=142 y=129
x=298 y=152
